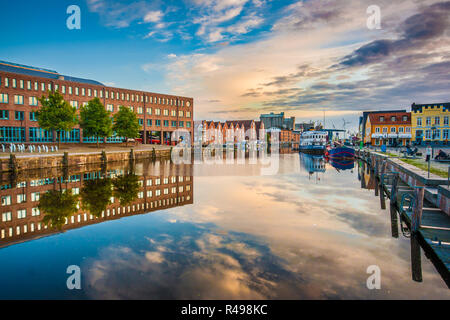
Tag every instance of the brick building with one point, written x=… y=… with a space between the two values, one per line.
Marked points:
x=21 y=86
x=21 y=220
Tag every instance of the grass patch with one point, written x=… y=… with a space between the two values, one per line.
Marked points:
x=424 y=166
x=393 y=155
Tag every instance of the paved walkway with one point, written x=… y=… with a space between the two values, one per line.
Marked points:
x=86 y=149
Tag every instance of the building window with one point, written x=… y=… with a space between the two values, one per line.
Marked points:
x=381 y=119
x=174 y=123
x=445 y=134
x=181 y=124
x=63 y=89
x=166 y=123
x=188 y=124
x=77 y=91
x=392 y=129
x=18 y=99
x=6 y=200
x=437 y=120
x=21 y=214
x=110 y=107
x=166 y=112
x=393 y=119
x=6 y=216
x=188 y=114
x=4 y=114
x=428 y=134
x=408 y=129
x=173 y=113
x=180 y=113
x=89 y=92
x=4 y=98
x=158 y=123
x=33 y=116
x=446 y=121
x=83 y=92
x=158 y=112
x=42 y=86
x=141 y=122
x=385 y=130
x=21 y=198
x=33 y=101
x=19 y=115
x=14 y=83
x=74 y=104
x=428 y=123
x=70 y=90
x=140 y=110
x=400 y=130
x=29 y=85
x=149 y=111
x=437 y=134
x=419 y=122
x=6 y=82
x=149 y=122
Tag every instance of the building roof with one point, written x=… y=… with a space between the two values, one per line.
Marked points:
x=41 y=72
x=375 y=118
x=418 y=107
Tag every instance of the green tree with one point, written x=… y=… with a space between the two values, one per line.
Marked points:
x=56 y=114
x=96 y=195
x=57 y=205
x=95 y=120
x=126 y=124
x=126 y=188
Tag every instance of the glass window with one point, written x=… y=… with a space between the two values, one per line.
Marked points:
x=419 y=122
x=33 y=101
x=4 y=98
x=149 y=122
x=428 y=121
x=446 y=120
x=149 y=111
x=18 y=99
x=19 y=115
x=33 y=116
x=437 y=120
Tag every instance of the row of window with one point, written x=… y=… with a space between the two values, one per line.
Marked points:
x=394 y=118
x=109 y=94
x=84 y=217
x=437 y=121
x=433 y=134
x=21 y=198
x=166 y=123
x=393 y=130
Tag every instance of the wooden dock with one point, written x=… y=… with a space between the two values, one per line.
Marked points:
x=422 y=203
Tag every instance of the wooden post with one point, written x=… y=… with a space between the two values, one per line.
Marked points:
x=377 y=186
x=416 y=262
x=383 y=167
x=394 y=221
x=394 y=189
x=382 y=200
x=416 y=217
x=377 y=167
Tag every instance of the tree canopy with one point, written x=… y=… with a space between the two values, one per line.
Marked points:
x=126 y=123
x=96 y=195
x=126 y=188
x=56 y=113
x=57 y=205
x=95 y=120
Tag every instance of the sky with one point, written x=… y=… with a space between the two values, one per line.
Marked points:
x=241 y=58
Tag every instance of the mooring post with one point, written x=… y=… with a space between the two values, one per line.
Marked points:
x=377 y=167
x=12 y=163
x=153 y=154
x=394 y=221
x=394 y=189
x=416 y=262
x=382 y=199
x=65 y=161
x=131 y=154
x=416 y=217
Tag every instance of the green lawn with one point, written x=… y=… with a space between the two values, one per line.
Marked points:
x=424 y=166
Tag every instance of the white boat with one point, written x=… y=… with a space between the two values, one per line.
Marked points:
x=313 y=142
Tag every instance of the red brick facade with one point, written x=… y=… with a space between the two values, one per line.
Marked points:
x=159 y=114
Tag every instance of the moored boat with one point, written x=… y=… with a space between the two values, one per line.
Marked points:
x=340 y=152
x=313 y=142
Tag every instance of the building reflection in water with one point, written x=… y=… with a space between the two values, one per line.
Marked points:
x=43 y=203
x=314 y=165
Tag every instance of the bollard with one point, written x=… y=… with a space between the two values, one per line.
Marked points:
x=416 y=217
x=153 y=154
x=65 y=161
x=416 y=262
x=394 y=189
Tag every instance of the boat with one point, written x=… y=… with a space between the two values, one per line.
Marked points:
x=340 y=152
x=313 y=142
x=342 y=164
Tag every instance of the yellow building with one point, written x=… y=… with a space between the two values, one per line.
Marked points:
x=430 y=123
x=388 y=128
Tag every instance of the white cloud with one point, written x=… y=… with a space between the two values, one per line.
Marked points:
x=153 y=16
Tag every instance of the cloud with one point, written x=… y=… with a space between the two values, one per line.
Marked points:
x=153 y=16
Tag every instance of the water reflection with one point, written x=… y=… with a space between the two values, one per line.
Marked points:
x=245 y=237
x=38 y=205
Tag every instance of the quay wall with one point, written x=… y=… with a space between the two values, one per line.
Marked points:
x=25 y=162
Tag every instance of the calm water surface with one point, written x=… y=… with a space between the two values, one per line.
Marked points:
x=308 y=232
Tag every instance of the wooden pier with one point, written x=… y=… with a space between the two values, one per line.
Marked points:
x=423 y=204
